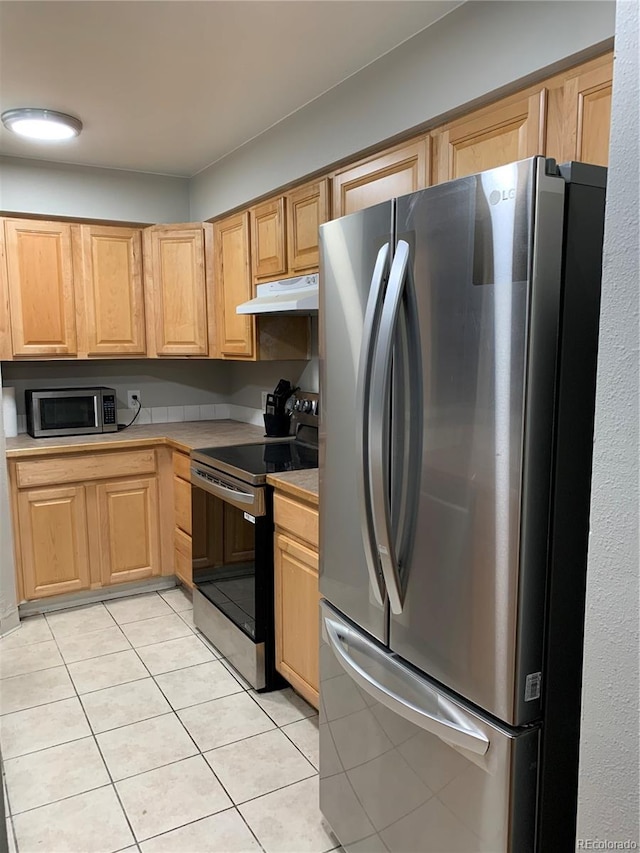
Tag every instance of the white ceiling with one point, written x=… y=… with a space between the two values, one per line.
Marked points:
x=171 y=86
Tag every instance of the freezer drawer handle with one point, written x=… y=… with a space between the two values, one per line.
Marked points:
x=363 y=387
x=450 y=724
x=379 y=427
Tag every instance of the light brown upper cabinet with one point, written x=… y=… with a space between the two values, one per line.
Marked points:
x=395 y=172
x=236 y=332
x=6 y=350
x=307 y=207
x=108 y=263
x=39 y=272
x=175 y=278
x=511 y=129
x=579 y=116
x=243 y=336
x=268 y=240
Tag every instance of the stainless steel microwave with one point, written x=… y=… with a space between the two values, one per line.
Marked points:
x=70 y=411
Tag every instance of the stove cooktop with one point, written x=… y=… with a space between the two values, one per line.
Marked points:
x=254 y=461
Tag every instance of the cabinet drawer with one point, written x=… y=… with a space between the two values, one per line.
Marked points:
x=94 y=466
x=182 y=504
x=297 y=518
x=182 y=556
x=182 y=466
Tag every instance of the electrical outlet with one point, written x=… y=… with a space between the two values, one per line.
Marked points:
x=131 y=403
x=264 y=399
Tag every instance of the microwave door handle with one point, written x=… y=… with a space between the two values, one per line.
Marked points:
x=394 y=686
x=379 y=426
x=363 y=388
x=96 y=422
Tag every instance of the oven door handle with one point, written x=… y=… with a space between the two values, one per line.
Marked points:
x=243 y=500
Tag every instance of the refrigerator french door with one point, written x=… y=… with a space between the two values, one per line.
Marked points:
x=441 y=335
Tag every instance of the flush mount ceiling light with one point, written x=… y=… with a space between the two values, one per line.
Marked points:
x=45 y=125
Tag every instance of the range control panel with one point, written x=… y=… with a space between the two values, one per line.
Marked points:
x=305 y=407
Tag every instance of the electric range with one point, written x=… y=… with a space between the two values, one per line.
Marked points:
x=232 y=542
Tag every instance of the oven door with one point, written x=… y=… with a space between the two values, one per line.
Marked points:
x=68 y=413
x=232 y=561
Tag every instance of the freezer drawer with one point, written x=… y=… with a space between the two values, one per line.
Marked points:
x=405 y=767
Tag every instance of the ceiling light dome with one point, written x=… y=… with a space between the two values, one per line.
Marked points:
x=44 y=125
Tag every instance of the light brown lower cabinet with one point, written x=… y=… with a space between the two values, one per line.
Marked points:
x=297 y=595
x=80 y=523
x=129 y=530
x=53 y=540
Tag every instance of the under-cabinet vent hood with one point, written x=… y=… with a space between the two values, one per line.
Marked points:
x=291 y=295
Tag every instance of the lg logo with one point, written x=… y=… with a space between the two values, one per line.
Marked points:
x=497 y=196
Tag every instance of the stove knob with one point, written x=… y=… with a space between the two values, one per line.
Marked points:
x=306 y=406
x=314 y=407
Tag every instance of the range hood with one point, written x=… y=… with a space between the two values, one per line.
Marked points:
x=290 y=295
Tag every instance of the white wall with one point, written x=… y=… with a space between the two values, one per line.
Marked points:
x=609 y=758
x=8 y=606
x=478 y=48
x=82 y=192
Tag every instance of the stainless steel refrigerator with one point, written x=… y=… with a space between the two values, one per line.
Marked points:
x=458 y=340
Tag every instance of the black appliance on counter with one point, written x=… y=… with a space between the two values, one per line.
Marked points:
x=232 y=530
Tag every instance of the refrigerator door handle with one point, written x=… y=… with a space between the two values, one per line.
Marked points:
x=379 y=427
x=449 y=722
x=363 y=388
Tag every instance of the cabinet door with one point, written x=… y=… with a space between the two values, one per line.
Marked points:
x=587 y=100
x=236 y=332
x=53 y=540
x=6 y=350
x=176 y=290
x=396 y=172
x=307 y=208
x=296 y=599
x=268 y=240
x=129 y=530
x=182 y=557
x=182 y=504
x=509 y=130
x=40 y=279
x=109 y=271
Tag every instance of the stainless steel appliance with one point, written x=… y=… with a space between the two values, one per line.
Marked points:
x=457 y=365
x=232 y=536
x=70 y=411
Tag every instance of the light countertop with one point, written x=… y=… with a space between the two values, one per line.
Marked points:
x=299 y=484
x=183 y=436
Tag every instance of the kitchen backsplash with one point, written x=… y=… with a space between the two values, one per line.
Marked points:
x=177 y=414
x=170 y=391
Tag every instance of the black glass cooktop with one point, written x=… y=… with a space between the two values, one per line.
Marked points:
x=261 y=459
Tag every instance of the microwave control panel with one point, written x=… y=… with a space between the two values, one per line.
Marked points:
x=108 y=409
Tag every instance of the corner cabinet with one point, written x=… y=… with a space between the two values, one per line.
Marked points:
x=176 y=278
x=296 y=594
x=40 y=284
x=236 y=332
x=87 y=520
x=245 y=337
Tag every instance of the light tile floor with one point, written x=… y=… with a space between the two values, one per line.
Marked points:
x=122 y=729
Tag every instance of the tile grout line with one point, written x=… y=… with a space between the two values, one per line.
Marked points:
x=93 y=735
x=199 y=752
x=173 y=711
